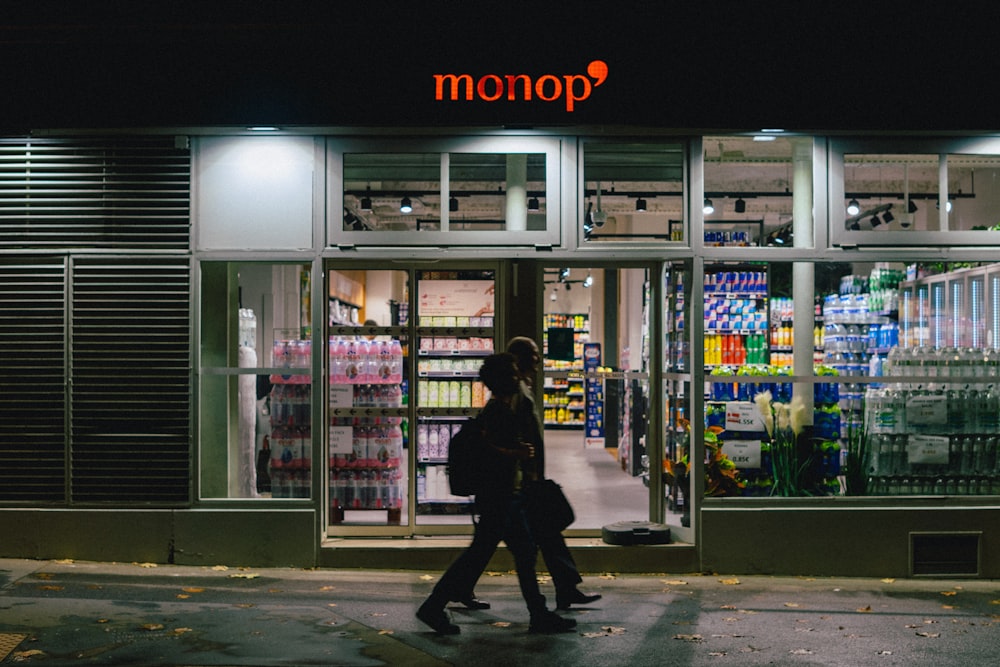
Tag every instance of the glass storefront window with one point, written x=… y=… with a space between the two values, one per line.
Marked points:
x=255 y=381
x=900 y=397
x=911 y=193
x=488 y=191
x=633 y=192
x=754 y=188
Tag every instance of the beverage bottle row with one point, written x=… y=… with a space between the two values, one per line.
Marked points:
x=372 y=446
x=735 y=349
x=291 y=406
x=365 y=489
x=354 y=361
x=970 y=465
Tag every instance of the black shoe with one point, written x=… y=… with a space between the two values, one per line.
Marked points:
x=472 y=602
x=437 y=619
x=576 y=596
x=549 y=622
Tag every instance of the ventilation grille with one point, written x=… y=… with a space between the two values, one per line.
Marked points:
x=940 y=554
x=131 y=379
x=103 y=194
x=32 y=384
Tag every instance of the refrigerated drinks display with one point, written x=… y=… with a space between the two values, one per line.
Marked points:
x=454 y=332
x=291 y=423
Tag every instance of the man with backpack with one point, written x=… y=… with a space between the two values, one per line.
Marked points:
x=501 y=514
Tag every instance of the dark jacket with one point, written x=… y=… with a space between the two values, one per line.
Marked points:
x=501 y=429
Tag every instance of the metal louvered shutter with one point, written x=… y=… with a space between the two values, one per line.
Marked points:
x=120 y=193
x=130 y=380
x=32 y=379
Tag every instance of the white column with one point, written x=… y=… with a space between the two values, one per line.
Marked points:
x=517 y=192
x=803 y=274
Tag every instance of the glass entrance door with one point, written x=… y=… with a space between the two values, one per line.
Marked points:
x=596 y=344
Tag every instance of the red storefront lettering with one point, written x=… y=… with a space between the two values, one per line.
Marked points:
x=547 y=87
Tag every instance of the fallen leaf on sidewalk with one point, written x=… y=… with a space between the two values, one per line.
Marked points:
x=864 y=610
x=64 y=561
x=43 y=575
x=888 y=580
x=24 y=655
x=928 y=634
x=728 y=606
x=673 y=582
x=426 y=577
x=180 y=631
x=244 y=575
x=146 y=564
x=608 y=576
x=385 y=632
x=716 y=654
x=501 y=624
x=183 y=596
x=732 y=581
x=791 y=604
x=330 y=588
x=50 y=587
x=948 y=593
x=219 y=568
x=801 y=651
x=193 y=589
x=151 y=627
x=689 y=638
x=883 y=652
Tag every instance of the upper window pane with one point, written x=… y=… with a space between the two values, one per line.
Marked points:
x=753 y=187
x=482 y=191
x=633 y=192
x=392 y=191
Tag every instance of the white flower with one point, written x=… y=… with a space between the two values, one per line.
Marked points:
x=799 y=415
x=763 y=402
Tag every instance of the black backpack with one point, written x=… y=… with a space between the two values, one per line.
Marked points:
x=465 y=459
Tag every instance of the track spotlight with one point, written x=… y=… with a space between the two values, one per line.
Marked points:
x=366 y=201
x=453 y=204
x=741 y=205
x=947 y=206
x=708 y=208
x=533 y=204
x=855 y=226
x=876 y=221
x=888 y=217
x=853 y=207
x=568 y=286
x=405 y=205
x=564 y=275
x=911 y=207
x=554 y=296
x=588 y=281
x=640 y=205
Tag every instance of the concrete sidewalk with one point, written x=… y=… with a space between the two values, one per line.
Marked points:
x=81 y=613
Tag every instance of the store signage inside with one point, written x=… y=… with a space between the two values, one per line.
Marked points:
x=521 y=87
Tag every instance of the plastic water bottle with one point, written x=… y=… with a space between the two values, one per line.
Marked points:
x=353 y=372
x=395 y=362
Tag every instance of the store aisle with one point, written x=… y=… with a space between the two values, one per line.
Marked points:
x=593 y=480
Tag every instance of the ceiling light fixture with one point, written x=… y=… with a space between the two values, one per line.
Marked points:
x=640 y=205
x=366 y=201
x=405 y=205
x=533 y=204
x=911 y=207
x=588 y=281
x=554 y=295
x=853 y=207
x=263 y=128
x=876 y=221
x=741 y=205
x=888 y=217
x=453 y=204
x=708 y=208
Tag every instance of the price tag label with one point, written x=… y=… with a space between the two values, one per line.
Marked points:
x=924 y=410
x=341 y=395
x=341 y=439
x=927 y=449
x=743 y=416
x=744 y=453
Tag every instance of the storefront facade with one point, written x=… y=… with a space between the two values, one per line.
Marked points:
x=175 y=350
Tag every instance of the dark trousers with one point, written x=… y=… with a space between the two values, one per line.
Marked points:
x=562 y=567
x=500 y=518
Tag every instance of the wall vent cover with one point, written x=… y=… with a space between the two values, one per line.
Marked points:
x=936 y=554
